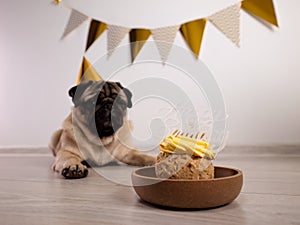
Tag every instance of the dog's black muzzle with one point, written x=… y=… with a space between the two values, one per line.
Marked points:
x=108 y=118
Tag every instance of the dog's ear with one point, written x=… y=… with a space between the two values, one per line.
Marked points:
x=76 y=91
x=127 y=93
x=129 y=96
x=72 y=91
x=120 y=85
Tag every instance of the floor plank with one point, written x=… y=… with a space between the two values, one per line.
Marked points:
x=31 y=193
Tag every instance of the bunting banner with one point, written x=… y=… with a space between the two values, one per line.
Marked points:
x=115 y=35
x=75 y=20
x=164 y=38
x=138 y=37
x=192 y=33
x=264 y=9
x=95 y=30
x=226 y=20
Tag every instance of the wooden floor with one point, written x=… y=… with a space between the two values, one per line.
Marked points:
x=31 y=193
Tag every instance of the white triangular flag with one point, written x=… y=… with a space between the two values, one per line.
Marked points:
x=228 y=21
x=164 y=38
x=115 y=35
x=75 y=20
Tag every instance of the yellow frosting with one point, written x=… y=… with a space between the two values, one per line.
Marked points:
x=185 y=145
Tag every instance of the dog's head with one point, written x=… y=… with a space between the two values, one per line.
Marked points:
x=102 y=104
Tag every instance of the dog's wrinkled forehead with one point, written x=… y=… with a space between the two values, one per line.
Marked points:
x=111 y=90
x=91 y=90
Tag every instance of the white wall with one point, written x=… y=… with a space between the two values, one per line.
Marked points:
x=260 y=81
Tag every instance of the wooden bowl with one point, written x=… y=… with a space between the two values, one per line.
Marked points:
x=188 y=194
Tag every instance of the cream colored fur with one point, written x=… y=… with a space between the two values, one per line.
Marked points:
x=74 y=143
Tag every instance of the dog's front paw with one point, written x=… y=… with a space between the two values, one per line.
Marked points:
x=149 y=161
x=75 y=171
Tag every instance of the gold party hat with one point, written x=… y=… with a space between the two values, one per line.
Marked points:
x=87 y=72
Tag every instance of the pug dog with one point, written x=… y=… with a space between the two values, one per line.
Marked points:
x=97 y=131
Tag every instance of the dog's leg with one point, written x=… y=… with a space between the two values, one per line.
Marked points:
x=136 y=158
x=123 y=153
x=132 y=157
x=69 y=165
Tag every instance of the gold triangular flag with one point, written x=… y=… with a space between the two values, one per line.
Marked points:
x=95 y=30
x=87 y=72
x=75 y=20
x=228 y=21
x=164 y=38
x=192 y=33
x=138 y=37
x=264 y=9
x=115 y=35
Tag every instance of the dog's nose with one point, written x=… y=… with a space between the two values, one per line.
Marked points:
x=107 y=124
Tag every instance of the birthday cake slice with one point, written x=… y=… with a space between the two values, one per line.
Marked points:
x=184 y=157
